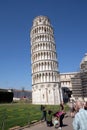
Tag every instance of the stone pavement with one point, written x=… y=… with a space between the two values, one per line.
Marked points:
x=42 y=126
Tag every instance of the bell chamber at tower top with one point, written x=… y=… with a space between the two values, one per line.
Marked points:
x=42 y=40
x=41 y=20
x=41 y=30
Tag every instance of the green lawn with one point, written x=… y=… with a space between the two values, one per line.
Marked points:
x=20 y=114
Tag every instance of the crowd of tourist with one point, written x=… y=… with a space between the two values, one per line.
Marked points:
x=78 y=111
x=52 y=118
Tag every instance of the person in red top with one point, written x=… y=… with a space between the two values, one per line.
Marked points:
x=43 y=109
x=62 y=113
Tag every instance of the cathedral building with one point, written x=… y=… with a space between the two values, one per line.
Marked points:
x=76 y=81
x=79 y=81
x=45 y=74
x=65 y=79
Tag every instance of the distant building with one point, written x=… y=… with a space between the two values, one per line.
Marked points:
x=6 y=96
x=5 y=90
x=65 y=79
x=77 y=86
x=66 y=85
x=19 y=94
x=79 y=81
x=83 y=72
x=76 y=81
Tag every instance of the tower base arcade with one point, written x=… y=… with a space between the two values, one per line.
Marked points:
x=47 y=93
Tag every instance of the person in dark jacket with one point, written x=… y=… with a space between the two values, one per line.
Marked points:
x=49 y=118
x=62 y=114
x=43 y=109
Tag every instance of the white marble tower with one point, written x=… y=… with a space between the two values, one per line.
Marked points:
x=45 y=75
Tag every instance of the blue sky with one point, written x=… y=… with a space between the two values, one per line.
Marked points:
x=69 y=20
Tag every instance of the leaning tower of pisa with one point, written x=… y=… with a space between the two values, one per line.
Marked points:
x=45 y=75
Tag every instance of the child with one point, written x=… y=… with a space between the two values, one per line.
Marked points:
x=49 y=118
x=56 y=122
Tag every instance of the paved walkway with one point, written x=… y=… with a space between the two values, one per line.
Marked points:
x=42 y=126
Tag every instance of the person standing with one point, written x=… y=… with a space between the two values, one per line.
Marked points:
x=61 y=113
x=43 y=109
x=72 y=109
x=49 y=118
x=80 y=120
x=85 y=106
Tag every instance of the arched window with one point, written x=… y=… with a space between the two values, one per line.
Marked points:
x=39 y=19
